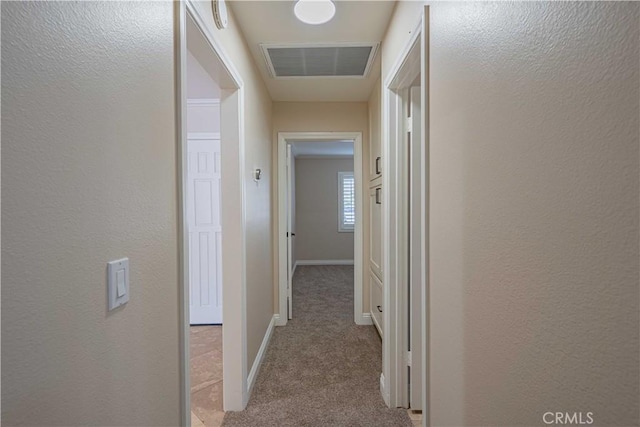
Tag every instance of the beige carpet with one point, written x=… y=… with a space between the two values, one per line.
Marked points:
x=321 y=369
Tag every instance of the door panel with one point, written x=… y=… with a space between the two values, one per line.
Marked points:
x=375 y=230
x=290 y=232
x=203 y=218
x=376 y=303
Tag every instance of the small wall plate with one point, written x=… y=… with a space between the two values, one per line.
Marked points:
x=220 y=14
x=118 y=282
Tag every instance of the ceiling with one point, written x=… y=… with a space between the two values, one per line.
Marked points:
x=322 y=149
x=275 y=22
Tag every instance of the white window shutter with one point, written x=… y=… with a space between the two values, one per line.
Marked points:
x=347 y=202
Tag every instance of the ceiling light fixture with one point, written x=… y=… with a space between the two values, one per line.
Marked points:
x=314 y=12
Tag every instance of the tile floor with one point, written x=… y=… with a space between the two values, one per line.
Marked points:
x=205 y=347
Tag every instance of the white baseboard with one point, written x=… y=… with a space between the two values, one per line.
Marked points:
x=325 y=262
x=253 y=374
x=295 y=265
x=279 y=321
x=383 y=391
x=364 y=319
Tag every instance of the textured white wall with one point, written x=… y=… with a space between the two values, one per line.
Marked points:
x=203 y=118
x=199 y=83
x=317 y=236
x=534 y=198
x=88 y=176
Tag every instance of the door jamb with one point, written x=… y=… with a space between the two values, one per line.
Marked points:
x=233 y=242
x=410 y=62
x=425 y=170
x=283 y=139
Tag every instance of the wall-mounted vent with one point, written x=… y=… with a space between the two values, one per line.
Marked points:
x=345 y=60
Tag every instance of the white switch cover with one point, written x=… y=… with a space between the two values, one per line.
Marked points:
x=118 y=282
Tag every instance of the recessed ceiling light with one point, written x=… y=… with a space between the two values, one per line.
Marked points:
x=314 y=12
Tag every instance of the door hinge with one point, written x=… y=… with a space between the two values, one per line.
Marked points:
x=408 y=358
x=409 y=124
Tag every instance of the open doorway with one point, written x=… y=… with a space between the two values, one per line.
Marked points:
x=329 y=232
x=406 y=157
x=320 y=209
x=204 y=233
x=211 y=224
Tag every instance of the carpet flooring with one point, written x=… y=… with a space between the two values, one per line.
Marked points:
x=321 y=369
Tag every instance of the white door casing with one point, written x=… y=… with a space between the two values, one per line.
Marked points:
x=290 y=233
x=415 y=251
x=424 y=199
x=203 y=216
x=405 y=71
x=284 y=138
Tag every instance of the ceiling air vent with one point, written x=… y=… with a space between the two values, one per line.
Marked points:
x=344 y=60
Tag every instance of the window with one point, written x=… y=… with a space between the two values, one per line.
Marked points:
x=346 y=202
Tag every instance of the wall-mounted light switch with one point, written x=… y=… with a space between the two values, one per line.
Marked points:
x=118 y=282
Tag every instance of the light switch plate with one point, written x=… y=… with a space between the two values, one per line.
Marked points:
x=118 y=282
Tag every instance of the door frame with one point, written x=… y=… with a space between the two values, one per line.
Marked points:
x=235 y=392
x=285 y=138
x=290 y=213
x=412 y=61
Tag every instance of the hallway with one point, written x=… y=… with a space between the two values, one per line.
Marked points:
x=321 y=369
x=492 y=202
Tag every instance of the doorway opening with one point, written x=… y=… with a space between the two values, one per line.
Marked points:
x=204 y=234
x=405 y=155
x=320 y=206
x=212 y=247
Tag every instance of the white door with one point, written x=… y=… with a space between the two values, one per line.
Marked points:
x=375 y=230
x=415 y=253
x=290 y=232
x=203 y=218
